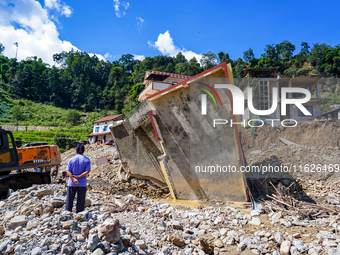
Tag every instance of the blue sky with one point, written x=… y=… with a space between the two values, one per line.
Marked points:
x=111 y=28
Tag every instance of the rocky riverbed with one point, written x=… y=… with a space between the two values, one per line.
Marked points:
x=33 y=221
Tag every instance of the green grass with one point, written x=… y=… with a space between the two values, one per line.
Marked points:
x=39 y=114
x=77 y=133
x=334 y=98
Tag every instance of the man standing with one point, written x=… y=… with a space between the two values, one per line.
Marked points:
x=77 y=168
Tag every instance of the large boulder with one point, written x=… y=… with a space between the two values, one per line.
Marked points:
x=109 y=231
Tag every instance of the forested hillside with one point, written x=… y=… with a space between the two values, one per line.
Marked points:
x=84 y=82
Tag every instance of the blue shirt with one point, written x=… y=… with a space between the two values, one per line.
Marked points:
x=78 y=165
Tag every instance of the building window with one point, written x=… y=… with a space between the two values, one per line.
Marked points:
x=96 y=130
x=263 y=95
x=105 y=128
x=309 y=108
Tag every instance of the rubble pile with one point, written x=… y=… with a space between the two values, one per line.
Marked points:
x=93 y=152
x=296 y=156
x=289 y=200
x=33 y=221
x=105 y=178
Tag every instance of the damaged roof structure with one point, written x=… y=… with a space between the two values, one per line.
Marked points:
x=168 y=140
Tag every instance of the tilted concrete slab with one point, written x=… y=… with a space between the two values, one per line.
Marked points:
x=190 y=140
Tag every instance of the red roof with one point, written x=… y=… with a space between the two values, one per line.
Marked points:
x=107 y=118
x=103 y=133
x=173 y=75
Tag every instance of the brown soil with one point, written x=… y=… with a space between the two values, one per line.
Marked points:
x=318 y=133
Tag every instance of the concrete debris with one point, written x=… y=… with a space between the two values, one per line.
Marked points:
x=289 y=143
x=151 y=227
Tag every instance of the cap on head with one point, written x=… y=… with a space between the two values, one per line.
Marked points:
x=80 y=148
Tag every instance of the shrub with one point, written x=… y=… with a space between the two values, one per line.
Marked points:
x=63 y=141
x=73 y=117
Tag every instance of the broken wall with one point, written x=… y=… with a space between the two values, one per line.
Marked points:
x=190 y=141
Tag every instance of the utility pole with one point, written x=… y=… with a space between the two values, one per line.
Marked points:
x=16 y=53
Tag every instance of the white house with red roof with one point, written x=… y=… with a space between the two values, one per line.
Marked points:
x=101 y=128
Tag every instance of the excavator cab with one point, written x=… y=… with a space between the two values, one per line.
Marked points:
x=8 y=151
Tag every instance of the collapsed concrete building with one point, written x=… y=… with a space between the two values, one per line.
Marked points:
x=170 y=141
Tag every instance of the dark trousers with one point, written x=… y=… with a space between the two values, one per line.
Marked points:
x=71 y=193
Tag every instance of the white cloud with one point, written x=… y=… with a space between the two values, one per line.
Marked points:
x=29 y=24
x=138 y=57
x=107 y=56
x=140 y=22
x=166 y=46
x=119 y=6
x=99 y=56
x=59 y=7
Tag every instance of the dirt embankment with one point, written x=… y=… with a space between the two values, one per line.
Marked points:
x=316 y=134
x=316 y=155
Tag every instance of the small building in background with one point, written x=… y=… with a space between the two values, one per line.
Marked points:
x=264 y=80
x=101 y=128
x=156 y=81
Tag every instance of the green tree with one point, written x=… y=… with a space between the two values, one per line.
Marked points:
x=73 y=117
x=208 y=60
x=284 y=50
x=270 y=53
x=63 y=141
x=248 y=55
x=17 y=114
x=317 y=56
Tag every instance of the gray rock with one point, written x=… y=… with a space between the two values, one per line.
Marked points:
x=3 y=245
x=42 y=192
x=218 y=243
x=285 y=247
x=58 y=201
x=300 y=246
x=92 y=242
x=332 y=251
x=176 y=225
x=98 y=251
x=67 y=248
x=32 y=224
x=294 y=251
x=278 y=237
x=329 y=243
x=105 y=246
x=36 y=251
x=141 y=244
x=276 y=216
x=9 y=249
x=14 y=237
x=17 y=221
x=251 y=242
x=255 y=221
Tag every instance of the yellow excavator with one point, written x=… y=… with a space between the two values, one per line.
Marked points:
x=32 y=155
